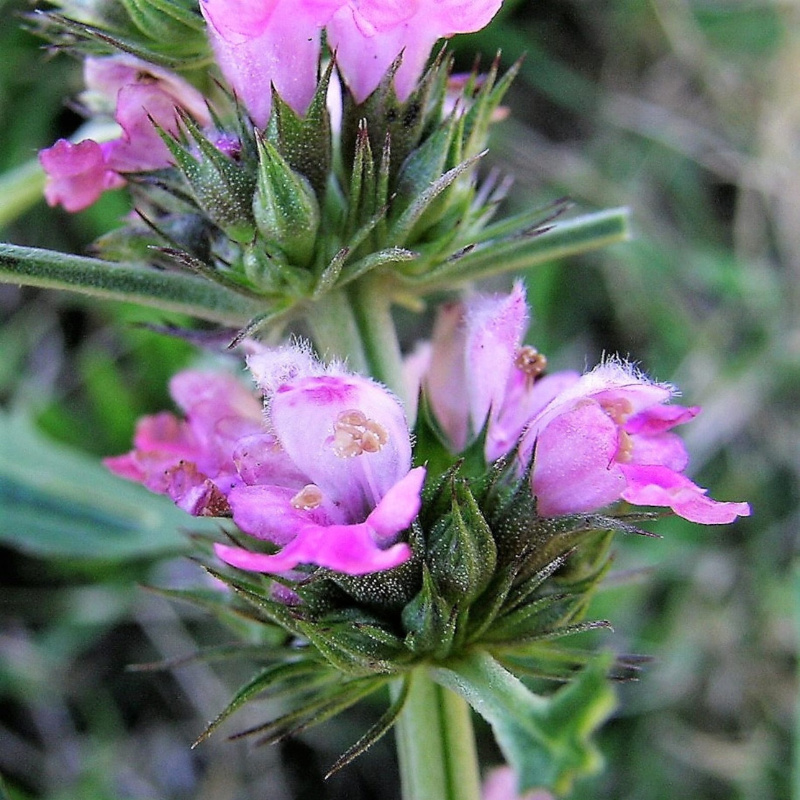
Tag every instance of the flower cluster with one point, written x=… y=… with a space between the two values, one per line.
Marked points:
x=325 y=473
x=260 y=47
x=139 y=96
x=593 y=439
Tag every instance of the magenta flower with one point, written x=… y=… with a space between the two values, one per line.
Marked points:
x=194 y=460
x=139 y=95
x=325 y=474
x=77 y=174
x=348 y=438
x=259 y=44
x=264 y=43
x=368 y=36
x=477 y=347
x=607 y=437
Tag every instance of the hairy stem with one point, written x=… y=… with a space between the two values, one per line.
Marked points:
x=373 y=313
x=436 y=744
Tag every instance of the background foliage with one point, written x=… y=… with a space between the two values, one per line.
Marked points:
x=687 y=112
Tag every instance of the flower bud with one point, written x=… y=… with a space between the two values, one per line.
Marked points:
x=285 y=208
x=461 y=550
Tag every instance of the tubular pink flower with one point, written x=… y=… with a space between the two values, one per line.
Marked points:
x=264 y=43
x=349 y=440
x=325 y=475
x=607 y=437
x=477 y=372
x=194 y=460
x=139 y=94
x=368 y=36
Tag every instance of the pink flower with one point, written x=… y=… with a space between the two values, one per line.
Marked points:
x=194 y=460
x=479 y=370
x=501 y=784
x=264 y=43
x=368 y=36
x=77 y=174
x=607 y=437
x=348 y=438
x=325 y=474
x=139 y=95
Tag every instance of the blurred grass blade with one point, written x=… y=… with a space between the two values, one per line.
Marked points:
x=57 y=502
x=20 y=189
x=167 y=291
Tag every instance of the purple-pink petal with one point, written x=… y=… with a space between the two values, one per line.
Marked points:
x=305 y=415
x=399 y=507
x=343 y=548
x=279 y=48
x=574 y=468
x=77 y=174
x=266 y=512
x=660 y=486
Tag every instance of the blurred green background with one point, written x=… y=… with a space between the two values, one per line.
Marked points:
x=687 y=111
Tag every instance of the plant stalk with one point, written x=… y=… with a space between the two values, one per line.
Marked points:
x=436 y=744
x=336 y=333
x=371 y=304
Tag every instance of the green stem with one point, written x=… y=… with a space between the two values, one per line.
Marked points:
x=372 y=307
x=436 y=744
x=335 y=331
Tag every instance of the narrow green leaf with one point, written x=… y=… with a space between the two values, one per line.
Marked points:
x=546 y=740
x=586 y=233
x=168 y=291
x=401 y=229
x=276 y=673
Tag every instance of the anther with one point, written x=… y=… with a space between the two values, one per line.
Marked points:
x=310 y=496
x=625 y=448
x=530 y=362
x=354 y=434
x=618 y=409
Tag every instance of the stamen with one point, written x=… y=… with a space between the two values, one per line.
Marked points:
x=618 y=409
x=310 y=496
x=625 y=448
x=354 y=434
x=530 y=362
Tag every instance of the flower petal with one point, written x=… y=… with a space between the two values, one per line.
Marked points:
x=660 y=486
x=305 y=414
x=266 y=512
x=399 y=506
x=343 y=548
x=574 y=468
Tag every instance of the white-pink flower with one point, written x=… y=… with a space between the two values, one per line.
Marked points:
x=325 y=474
x=479 y=373
x=595 y=439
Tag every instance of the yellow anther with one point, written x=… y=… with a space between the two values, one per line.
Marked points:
x=625 y=448
x=618 y=409
x=310 y=496
x=354 y=434
x=530 y=362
